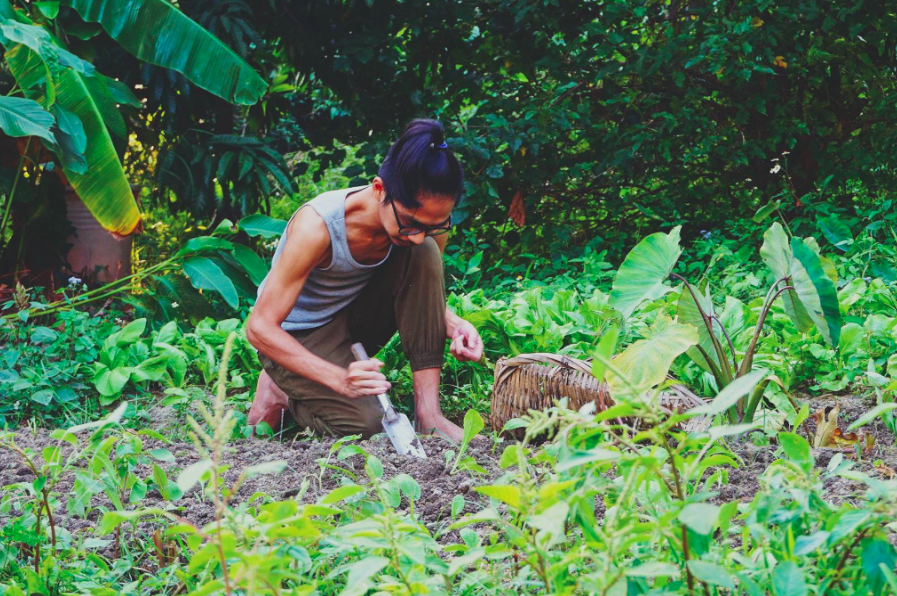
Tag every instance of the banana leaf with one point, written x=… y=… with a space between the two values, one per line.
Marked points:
x=157 y=32
x=102 y=185
x=20 y=117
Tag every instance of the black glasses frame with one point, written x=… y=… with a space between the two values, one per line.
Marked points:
x=406 y=230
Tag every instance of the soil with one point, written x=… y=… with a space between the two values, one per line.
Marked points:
x=304 y=459
x=879 y=462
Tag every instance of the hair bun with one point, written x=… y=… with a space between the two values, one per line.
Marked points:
x=413 y=167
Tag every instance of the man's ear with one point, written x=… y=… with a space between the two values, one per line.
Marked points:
x=379 y=189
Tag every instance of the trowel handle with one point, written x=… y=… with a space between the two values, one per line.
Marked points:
x=359 y=352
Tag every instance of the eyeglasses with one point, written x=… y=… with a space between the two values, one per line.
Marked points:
x=405 y=230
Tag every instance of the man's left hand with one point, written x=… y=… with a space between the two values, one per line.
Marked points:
x=466 y=343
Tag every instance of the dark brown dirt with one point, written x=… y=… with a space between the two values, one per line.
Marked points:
x=305 y=458
x=744 y=482
x=305 y=461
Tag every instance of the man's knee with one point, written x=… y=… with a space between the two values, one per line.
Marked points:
x=426 y=259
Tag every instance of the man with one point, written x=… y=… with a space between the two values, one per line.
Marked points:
x=359 y=264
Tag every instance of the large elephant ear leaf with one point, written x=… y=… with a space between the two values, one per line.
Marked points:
x=827 y=264
x=643 y=273
x=778 y=256
x=157 y=32
x=816 y=291
x=645 y=363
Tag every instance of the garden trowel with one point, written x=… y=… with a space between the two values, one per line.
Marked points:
x=397 y=426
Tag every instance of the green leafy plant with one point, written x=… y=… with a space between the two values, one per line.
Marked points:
x=803 y=281
x=73 y=109
x=121 y=361
x=473 y=424
x=222 y=176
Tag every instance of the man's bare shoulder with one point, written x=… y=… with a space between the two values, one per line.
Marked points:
x=308 y=230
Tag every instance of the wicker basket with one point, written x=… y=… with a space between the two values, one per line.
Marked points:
x=534 y=381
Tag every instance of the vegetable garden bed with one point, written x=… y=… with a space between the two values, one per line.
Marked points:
x=320 y=464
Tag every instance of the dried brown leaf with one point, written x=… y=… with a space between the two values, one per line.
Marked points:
x=826 y=425
x=517 y=210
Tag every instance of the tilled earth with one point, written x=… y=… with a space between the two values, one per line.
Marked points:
x=879 y=462
x=305 y=461
x=311 y=461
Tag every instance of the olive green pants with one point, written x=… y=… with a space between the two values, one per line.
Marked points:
x=406 y=294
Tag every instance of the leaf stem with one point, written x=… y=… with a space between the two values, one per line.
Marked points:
x=728 y=340
x=680 y=495
x=749 y=354
x=846 y=554
x=708 y=323
x=96 y=294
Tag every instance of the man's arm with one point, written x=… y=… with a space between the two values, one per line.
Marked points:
x=308 y=242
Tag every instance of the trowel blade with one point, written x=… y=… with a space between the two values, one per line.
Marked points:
x=403 y=437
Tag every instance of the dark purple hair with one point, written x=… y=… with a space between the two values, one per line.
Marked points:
x=419 y=163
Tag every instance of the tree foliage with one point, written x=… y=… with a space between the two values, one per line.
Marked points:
x=616 y=111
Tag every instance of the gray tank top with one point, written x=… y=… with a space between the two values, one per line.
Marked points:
x=327 y=290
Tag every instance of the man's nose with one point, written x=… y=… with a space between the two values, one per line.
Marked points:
x=418 y=238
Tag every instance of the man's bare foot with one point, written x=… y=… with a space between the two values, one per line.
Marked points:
x=269 y=404
x=439 y=425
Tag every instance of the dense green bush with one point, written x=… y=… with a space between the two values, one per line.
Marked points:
x=615 y=116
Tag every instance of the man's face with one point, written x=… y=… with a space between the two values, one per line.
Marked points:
x=434 y=212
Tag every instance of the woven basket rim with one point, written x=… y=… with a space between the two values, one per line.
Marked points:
x=556 y=364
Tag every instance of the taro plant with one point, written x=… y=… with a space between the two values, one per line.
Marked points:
x=804 y=280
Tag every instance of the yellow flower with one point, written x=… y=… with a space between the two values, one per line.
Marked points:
x=780 y=62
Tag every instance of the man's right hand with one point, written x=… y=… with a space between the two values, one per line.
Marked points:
x=364 y=378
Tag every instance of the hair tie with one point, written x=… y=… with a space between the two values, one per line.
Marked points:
x=433 y=144
x=444 y=145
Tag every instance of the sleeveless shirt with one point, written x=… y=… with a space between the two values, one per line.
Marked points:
x=327 y=290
